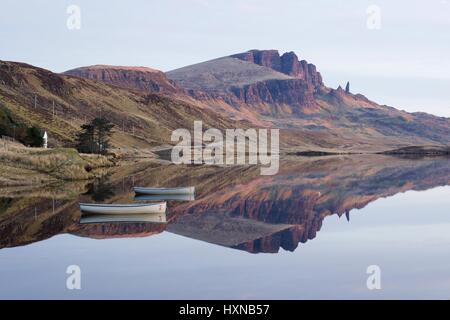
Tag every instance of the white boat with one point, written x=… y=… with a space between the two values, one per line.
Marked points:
x=112 y=218
x=135 y=208
x=165 y=197
x=186 y=190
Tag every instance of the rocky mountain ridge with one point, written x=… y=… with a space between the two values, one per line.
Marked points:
x=258 y=88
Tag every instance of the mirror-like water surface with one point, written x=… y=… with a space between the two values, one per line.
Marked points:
x=309 y=232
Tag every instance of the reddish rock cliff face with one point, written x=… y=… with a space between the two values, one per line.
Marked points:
x=137 y=78
x=266 y=58
x=282 y=96
x=296 y=93
x=255 y=85
x=288 y=64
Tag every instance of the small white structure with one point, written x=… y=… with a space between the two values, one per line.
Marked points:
x=45 y=137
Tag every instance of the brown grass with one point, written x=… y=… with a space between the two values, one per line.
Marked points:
x=24 y=166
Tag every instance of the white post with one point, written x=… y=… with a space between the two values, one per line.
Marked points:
x=45 y=137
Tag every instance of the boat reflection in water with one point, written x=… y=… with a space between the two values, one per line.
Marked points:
x=123 y=209
x=138 y=215
x=104 y=226
x=125 y=218
x=167 y=197
x=164 y=191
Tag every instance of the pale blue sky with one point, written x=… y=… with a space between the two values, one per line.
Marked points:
x=405 y=64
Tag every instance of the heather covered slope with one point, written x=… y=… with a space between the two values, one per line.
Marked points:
x=59 y=104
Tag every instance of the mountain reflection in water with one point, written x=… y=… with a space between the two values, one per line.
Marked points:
x=234 y=206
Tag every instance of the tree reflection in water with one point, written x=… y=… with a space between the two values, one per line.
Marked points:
x=101 y=189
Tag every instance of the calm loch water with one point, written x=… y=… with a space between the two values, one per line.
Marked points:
x=309 y=232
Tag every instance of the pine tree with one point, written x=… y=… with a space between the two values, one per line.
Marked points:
x=34 y=137
x=85 y=139
x=94 y=136
x=347 y=87
x=103 y=131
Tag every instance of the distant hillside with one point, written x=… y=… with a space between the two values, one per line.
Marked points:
x=258 y=88
x=138 y=78
x=291 y=95
x=60 y=104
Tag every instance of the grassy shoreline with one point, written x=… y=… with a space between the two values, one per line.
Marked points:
x=20 y=166
x=23 y=166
